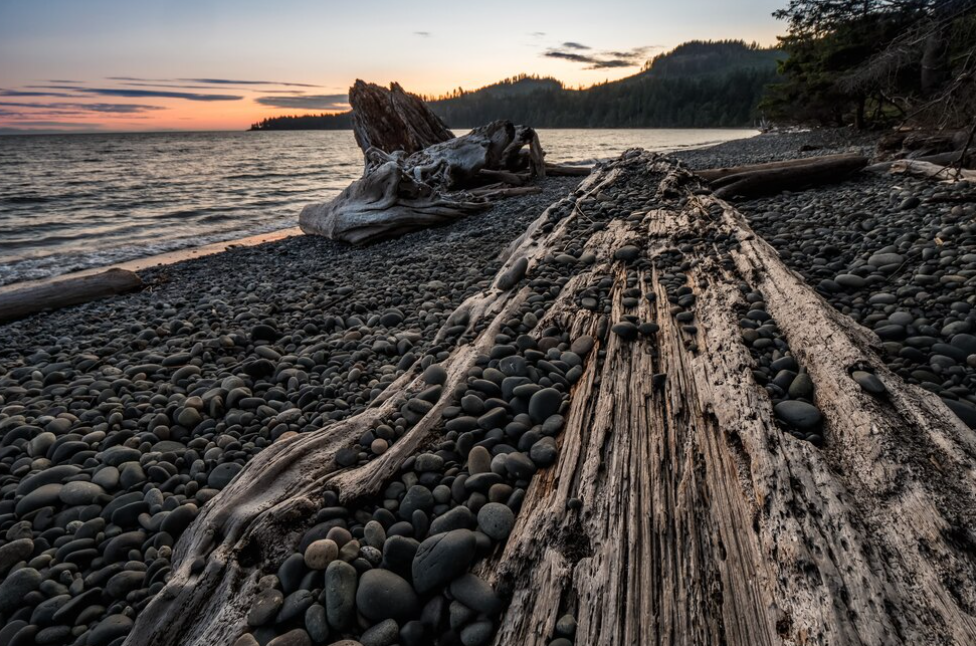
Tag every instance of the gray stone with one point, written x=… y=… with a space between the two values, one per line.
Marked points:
x=384 y=633
x=496 y=520
x=265 y=607
x=296 y=637
x=80 y=493
x=869 y=382
x=383 y=595
x=222 y=474
x=340 y=594
x=441 y=558
x=16 y=586
x=800 y=415
x=544 y=403
x=476 y=594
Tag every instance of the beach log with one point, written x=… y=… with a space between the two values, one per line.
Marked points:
x=678 y=510
x=929 y=170
x=716 y=175
x=765 y=179
x=19 y=303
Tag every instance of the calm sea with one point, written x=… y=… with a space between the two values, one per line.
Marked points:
x=71 y=202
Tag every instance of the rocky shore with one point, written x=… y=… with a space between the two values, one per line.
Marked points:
x=120 y=419
x=897 y=254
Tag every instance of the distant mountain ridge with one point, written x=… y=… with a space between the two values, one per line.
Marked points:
x=697 y=84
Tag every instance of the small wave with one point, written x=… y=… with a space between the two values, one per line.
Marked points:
x=25 y=199
x=311 y=173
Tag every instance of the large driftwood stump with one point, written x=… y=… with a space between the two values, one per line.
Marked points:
x=701 y=522
x=392 y=120
x=417 y=173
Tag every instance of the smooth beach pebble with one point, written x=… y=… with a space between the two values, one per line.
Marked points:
x=869 y=382
x=496 y=521
x=319 y=554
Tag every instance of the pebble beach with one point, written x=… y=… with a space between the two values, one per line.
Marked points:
x=121 y=419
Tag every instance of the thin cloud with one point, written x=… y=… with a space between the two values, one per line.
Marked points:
x=237 y=82
x=57 y=124
x=611 y=63
x=422 y=34
x=306 y=102
x=80 y=108
x=33 y=93
x=537 y=34
x=203 y=81
x=122 y=92
x=599 y=60
x=569 y=56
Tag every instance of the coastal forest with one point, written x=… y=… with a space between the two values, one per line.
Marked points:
x=864 y=63
x=697 y=85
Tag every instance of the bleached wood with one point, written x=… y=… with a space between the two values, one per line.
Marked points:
x=16 y=304
x=702 y=522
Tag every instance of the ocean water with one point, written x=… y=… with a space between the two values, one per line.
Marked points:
x=72 y=202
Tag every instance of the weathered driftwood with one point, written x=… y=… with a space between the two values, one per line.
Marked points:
x=814 y=172
x=715 y=175
x=63 y=293
x=417 y=171
x=928 y=169
x=392 y=120
x=702 y=522
x=386 y=202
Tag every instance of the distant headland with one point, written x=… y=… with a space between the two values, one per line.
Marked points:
x=700 y=84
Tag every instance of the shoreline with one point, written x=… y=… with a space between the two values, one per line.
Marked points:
x=161 y=259
x=190 y=253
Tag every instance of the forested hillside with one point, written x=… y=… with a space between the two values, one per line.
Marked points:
x=698 y=84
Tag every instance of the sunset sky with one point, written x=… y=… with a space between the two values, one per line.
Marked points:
x=107 y=65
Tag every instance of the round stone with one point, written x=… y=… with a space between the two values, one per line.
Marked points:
x=544 y=403
x=265 y=607
x=435 y=374
x=476 y=594
x=222 y=474
x=800 y=415
x=340 y=594
x=625 y=330
x=320 y=553
x=627 y=253
x=383 y=595
x=80 y=493
x=869 y=382
x=496 y=520
x=479 y=460
x=109 y=629
x=442 y=558
x=296 y=637
x=384 y=633
x=16 y=586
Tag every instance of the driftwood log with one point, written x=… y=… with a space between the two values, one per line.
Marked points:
x=930 y=170
x=702 y=522
x=755 y=180
x=19 y=303
x=418 y=173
